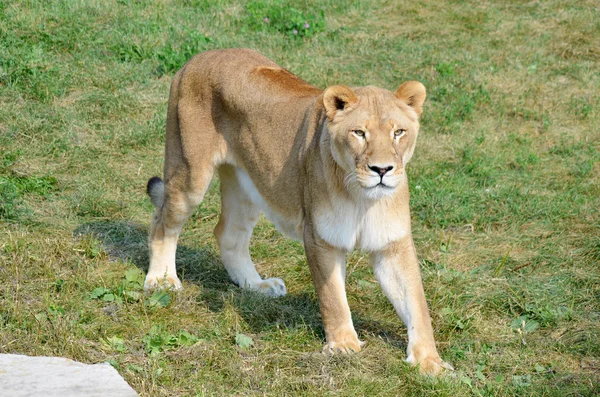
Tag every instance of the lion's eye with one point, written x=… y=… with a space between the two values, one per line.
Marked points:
x=359 y=133
x=399 y=133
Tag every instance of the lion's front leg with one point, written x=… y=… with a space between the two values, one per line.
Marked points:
x=328 y=268
x=397 y=270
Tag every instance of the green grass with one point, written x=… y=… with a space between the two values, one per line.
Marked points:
x=505 y=186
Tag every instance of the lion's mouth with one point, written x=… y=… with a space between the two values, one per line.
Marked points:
x=380 y=185
x=378 y=191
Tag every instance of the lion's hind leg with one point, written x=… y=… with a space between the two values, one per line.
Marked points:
x=191 y=153
x=174 y=205
x=236 y=223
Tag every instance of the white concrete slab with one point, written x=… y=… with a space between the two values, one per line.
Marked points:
x=25 y=376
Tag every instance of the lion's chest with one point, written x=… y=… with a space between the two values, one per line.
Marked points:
x=341 y=223
x=347 y=226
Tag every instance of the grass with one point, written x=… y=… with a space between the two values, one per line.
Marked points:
x=505 y=189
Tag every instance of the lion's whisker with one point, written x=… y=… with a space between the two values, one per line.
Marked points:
x=351 y=181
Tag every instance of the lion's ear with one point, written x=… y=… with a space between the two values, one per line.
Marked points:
x=413 y=94
x=336 y=98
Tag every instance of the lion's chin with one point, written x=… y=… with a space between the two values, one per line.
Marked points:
x=378 y=191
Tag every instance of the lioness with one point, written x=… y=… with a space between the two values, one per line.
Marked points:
x=326 y=167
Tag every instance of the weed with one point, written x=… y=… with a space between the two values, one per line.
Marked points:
x=130 y=290
x=115 y=343
x=524 y=326
x=158 y=340
x=159 y=299
x=243 y=341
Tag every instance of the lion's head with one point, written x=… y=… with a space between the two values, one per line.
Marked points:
x=373 y=133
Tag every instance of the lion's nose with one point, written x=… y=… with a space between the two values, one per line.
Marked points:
x=381 y=170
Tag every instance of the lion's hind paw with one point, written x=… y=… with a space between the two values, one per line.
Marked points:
x=344 y=347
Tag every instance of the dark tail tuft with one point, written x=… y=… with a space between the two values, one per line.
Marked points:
x=156 y=191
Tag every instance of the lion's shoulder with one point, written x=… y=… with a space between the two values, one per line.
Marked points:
x=285 y=80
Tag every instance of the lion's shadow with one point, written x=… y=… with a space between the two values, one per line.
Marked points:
x=202 y=266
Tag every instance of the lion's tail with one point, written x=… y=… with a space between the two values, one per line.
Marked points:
x=156 y=191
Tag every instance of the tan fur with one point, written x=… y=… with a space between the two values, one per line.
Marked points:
x=327 y=167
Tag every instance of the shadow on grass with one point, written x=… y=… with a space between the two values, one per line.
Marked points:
x=202 y=266
x=129 y=242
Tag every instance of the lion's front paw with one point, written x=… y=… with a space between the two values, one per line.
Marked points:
x=431 y=365
x=162 y=282
x=273 y=287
